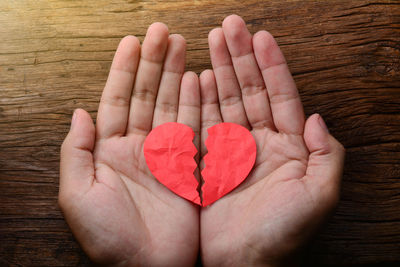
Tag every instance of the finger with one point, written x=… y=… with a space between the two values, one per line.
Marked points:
x=148 y=79
x=112 y=116
x=76 y=163
x=166 y=109
x=254 y=93
x=325 y=164
x=229 y=95
x=189 y=104
x=210 y=113
x=287 y=110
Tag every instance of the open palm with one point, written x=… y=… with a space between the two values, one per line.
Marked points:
x=117 y=210
x=122 y=215
x=295 y=180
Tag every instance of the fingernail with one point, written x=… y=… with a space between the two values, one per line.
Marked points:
x=322 y=123
x=73 y=120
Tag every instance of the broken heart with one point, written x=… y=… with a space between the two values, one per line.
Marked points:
x=169 y=153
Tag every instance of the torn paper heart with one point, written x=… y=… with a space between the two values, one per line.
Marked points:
x=169 y=153
x=230 y=158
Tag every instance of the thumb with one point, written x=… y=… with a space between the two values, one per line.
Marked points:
x=325 y=163
x=76 y=163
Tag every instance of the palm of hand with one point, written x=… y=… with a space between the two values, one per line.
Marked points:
x=264 y=207
x=275 y=210
x=117 y=210
x=142 y=215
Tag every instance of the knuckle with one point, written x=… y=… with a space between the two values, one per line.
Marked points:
x=165 y=107
x=208 y=123
x=115 y=100
x=178 y=39
x=278 y=98
x=251 y=90
x=145 y=94
x=230 y=100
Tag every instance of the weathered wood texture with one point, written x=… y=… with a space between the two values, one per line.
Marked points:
x=55 y=55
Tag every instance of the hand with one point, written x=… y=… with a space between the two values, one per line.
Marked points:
x=295 y=181
x=116 y=209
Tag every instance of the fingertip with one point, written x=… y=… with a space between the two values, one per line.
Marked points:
x=83 y=115
x=326 y=162
x=190 y=80
x=129 y=48
x=267 y=50
x=178 y=40
x=191 y=73
x=177 y=47
x=155 y=43
x=219 y=52
x=233 y=21
x=263 y=37
x=84 y=121
x=73 y=120
x=322 y=124
x=175 y=57
x=215 y=31
x=215 y=35
x=238 y=37
x=82 y=132
x=206 y=75
x=127 y=54
x=158 y=33
x=189 y=101
x=318 y=138
x=207 y=81
x=130 y=40
x=76 y=117
x=76 y=160
x=315 y=136
x=159 y=27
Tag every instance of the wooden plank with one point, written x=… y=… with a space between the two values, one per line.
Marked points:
x=55 y=56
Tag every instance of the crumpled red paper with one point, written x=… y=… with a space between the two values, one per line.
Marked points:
x=169 y=153
x=230 y=158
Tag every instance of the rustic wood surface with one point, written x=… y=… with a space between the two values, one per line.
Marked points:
x=55 y=56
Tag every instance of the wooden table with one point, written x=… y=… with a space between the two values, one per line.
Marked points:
x=55 y=56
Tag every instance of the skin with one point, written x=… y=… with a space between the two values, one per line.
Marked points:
x=116 y=209
x=122 y=216
x=295 y=181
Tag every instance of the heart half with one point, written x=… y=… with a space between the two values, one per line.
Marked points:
x=230 y=158
x=169 y=154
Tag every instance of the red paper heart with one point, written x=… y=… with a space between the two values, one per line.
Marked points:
x=230 y=158
x=169 y=153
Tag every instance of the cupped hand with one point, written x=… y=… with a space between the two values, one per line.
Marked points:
x=116 y=209
x=295 y=181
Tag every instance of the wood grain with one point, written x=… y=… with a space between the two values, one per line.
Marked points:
x=345 y=57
